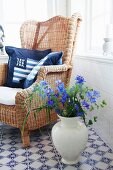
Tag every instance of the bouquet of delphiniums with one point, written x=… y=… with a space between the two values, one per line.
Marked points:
x=75 y=101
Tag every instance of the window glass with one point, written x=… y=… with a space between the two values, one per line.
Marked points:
x=99 y=14
x=15 y=12
x=12 y=35
x=96 y=14
x=36 y=9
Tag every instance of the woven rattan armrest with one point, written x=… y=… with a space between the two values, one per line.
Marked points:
x=24 y=94
x=44 y=70
x=3 y=73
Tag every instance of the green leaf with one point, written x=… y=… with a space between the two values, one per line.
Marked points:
x=102 y=105
x=91 y=108
x=97 y=105
x=48 y=114
x=104 y=102
x=90 y=122
x=24 y=123
x=95 y=118
x=35 y=115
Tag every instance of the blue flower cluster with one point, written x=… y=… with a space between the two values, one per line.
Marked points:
x=79 y=80
x=71 y=101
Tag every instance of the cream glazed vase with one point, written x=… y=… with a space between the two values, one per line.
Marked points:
x=70 y=138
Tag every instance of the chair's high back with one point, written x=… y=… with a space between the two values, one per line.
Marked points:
x=58 y=34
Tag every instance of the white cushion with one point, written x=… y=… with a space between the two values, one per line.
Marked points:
x=7 y=95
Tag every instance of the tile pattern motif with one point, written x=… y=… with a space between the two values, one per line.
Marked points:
x=42 y=154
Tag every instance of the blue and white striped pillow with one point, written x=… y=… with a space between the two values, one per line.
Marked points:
x=53 y=58
x=32 y=75
x=21 y=62
x=21 y=73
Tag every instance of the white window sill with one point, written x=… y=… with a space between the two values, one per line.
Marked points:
x=85 y=56
x=96 y=57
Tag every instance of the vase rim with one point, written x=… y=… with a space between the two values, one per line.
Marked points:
x=67 y=117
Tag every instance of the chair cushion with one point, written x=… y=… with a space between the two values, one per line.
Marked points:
x=21 y=61
x=53 y=58
x=7 y=95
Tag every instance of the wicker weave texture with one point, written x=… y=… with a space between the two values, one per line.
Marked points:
x=58 y=34
x=3 y=73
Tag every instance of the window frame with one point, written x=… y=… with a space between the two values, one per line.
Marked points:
x=17 y=24
x=87 y=19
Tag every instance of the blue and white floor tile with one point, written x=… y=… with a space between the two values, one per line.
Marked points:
x=43 y=156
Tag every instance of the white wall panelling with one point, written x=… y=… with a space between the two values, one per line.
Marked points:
x=99 y=75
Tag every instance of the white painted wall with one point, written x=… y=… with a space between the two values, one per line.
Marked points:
x=98 y=73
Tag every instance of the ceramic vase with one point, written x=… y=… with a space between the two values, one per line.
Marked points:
x=70 y=137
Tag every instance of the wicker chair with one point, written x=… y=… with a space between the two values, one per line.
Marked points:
x=59 y=34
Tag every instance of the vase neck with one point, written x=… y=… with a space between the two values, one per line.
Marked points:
x=69 y=122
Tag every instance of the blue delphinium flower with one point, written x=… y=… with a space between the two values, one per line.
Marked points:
x=58 y=111
x=93 y=95
x=96 y=93
x=79 y=80
x=76 y=107
x=49 y=91
x=50 y=103
x=80 y=113
x=61 y=87
x=89 y=94
x=93 y=100
x=56 y=95
x=64 y=98
x=43 y=83
x=85 y=104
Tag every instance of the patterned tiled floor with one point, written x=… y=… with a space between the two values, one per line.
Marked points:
x=43 y=156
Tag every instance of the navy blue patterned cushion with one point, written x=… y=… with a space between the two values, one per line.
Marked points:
x=53 y=58
x=21 y=62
